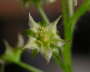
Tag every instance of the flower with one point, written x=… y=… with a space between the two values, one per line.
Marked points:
x=44 y=38
x=13 y=53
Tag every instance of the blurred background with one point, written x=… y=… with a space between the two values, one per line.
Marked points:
x=13 y=21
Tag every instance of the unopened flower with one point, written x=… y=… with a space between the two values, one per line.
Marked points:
x=11 y=53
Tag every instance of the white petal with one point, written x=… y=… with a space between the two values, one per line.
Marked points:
x=9 y=49
x=33 y=25
x=53 y=26
x=60 y=44
x=31 y=20
x=46 y=53
x=20 y=41
x=31 y=43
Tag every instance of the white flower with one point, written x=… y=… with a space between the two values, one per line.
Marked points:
x=45 y=39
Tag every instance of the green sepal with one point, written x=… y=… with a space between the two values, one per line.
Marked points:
x=29 y=32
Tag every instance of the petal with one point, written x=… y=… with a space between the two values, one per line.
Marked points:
x=47 y=53
x=20 y=41
x=60 y=44
x=9 y=49
x=32 y=22
x=53 y=26
x=31 y=43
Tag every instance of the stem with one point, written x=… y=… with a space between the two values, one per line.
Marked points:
x=67 y=57
x=70 y=7
x=42 y=13
x=28 y=67
x=67 y=10
x=80 y=11
x=68 y=36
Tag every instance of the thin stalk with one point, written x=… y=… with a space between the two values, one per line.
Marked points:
x=70 y=7
x=42 y=13
x=28 y=67
x=80 y=11
x=14 y=57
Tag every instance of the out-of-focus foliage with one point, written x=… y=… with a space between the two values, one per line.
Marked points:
x=28 y=2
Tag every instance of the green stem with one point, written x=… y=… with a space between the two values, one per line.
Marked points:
x=28 y=67
x=80 y=11
x=67 y=57
x=42 y=13
x=70 y=7
x=69 y=29
x=67 y=10
x=14 y=57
